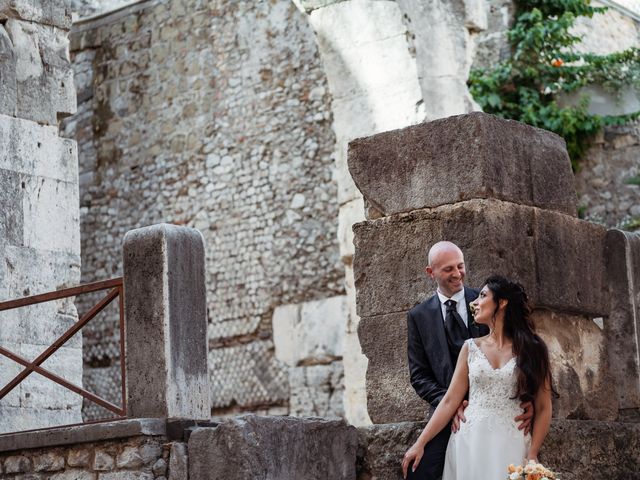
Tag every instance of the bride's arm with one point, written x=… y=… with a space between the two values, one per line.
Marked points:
x=443 y=414
x=543 y=408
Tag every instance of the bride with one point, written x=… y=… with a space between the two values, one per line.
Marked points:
x=500 y=370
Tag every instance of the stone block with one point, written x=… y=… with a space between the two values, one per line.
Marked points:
x=8 y=86
x=317 y=391
x=51 y=12
x=44 y=77
x=579 y=364
x=73 y=474
x=461 y=158
x=103 y=460
x=623 y=277
x=48 y=462
x=178 y=462
x=32 y=149
x=391 y=252
x=17 y=464
x=545 y=251
x=165 y=300
x=51 y=225
x=570 y=264
x=129 y=458
x=313 y=449
x=78 y=457
x=17 y=419
x=310 y=333
x=575 y=449
x=11 y=215
x=390 y=396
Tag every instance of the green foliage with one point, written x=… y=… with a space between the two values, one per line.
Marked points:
x=544 y=63
x=633 y=181
x=631 y=225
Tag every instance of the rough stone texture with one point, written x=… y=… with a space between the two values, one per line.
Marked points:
x=43 y=75
x=527 y=243
x=90 y=460
x=317 y=391
x=621 y=327
x=605 y=182
x=390 y=396
x=311 y=333
x=165 y=301
x=412 y=168
x=579 y=352
x=575 y=449
x=226 y=129
x=40 y=247
x=51 y=12
x=178 y=462
x=266 y=447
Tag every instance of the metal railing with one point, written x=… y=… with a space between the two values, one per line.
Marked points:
x=116 y=290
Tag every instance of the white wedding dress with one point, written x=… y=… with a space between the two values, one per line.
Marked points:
x=489 y=440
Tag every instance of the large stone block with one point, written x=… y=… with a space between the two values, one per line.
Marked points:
x=575 y=449
x=51 y=225
x=579 y=364
x=49 y=12
x=310 y=333
x=390 y=396
x=165 y=301
x=252 y=447
x=545 y=251
x=32 y=149
x=621 y=326
x=8 y=86
x=461 y=158
x=44 y=77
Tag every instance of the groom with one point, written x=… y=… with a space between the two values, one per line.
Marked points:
x=437 y=329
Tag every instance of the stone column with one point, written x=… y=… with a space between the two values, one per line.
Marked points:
x=166 y=323
x=503 y=191
x=39 y=218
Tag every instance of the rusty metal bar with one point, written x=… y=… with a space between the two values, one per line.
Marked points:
x=66 y=292
x=61 y=381
x=97 y=308
x=123 y=372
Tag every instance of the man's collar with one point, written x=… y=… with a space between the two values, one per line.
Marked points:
x=457 y=297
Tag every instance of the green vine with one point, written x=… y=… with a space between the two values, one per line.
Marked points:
x=544 y=65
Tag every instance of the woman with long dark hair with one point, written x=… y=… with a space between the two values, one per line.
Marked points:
x=499 y=371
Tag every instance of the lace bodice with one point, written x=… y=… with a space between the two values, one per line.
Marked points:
x=490 y=391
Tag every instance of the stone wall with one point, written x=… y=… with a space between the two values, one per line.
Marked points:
x=39 y=224
x=608 y=181
x=216 y=115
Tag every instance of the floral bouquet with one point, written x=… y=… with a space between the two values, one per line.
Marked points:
x=531 y=471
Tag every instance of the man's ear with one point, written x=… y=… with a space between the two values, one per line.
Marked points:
x=429 y=271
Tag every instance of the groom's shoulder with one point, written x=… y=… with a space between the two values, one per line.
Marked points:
x=422 y=307
x=471 y=292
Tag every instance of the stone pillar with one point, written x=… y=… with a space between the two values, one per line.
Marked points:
x=39 y=218
x=503 y=191
x=166 y=323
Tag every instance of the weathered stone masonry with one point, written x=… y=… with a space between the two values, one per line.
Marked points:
x=215 y=115
x=39 y=231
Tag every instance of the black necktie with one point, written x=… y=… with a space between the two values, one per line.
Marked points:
x=457 y=331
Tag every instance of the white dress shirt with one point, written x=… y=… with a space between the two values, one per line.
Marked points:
x=461 y=305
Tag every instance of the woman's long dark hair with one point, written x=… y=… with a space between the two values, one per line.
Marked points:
x=532 y=355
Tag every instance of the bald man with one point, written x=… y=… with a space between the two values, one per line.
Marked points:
x=437 y=329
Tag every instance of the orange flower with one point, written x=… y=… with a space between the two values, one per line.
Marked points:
x=557 y=62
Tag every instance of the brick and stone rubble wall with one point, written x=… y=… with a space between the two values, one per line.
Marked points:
x=608 y=181
x=39 y=219
x=216 y=115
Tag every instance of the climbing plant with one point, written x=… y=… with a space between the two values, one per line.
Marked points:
x=546 y=64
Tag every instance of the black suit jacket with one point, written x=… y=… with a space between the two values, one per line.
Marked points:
x=430 y=363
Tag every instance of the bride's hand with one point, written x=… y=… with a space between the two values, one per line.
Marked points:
x=413 y=454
